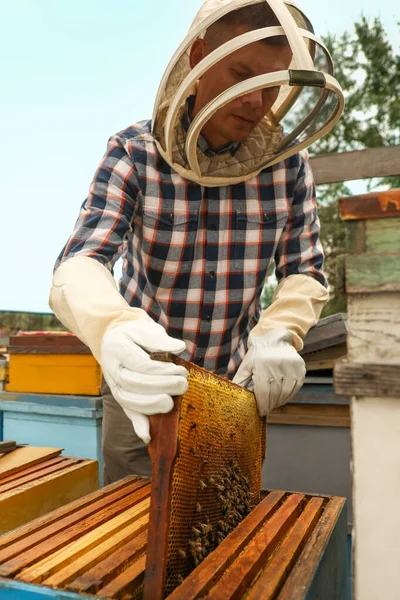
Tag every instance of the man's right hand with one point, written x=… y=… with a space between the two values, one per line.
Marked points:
x=142 y=386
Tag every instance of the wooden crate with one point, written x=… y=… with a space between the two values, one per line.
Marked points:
x=291 y=546
x=369 y=375
x=52 y=364
x=34 y=481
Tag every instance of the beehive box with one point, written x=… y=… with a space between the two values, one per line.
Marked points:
x=52 y=364
x=35 y=480
x=291 y=546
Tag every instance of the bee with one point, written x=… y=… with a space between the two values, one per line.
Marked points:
x=202 y=485
x=198 y=507
x=182 y=553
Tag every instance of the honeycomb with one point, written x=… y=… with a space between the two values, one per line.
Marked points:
x=216 y=478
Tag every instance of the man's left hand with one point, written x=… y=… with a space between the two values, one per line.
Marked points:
x=273 y=368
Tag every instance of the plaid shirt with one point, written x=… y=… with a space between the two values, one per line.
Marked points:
x=196 y=258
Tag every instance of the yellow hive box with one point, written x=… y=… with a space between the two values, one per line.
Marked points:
x=52 y=364
x=34 y=481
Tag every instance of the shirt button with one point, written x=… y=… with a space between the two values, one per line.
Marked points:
x=208 y=318
x=266 y=216
x=212 y=273
x=171 y=217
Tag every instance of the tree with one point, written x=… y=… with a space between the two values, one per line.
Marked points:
x=368 y=69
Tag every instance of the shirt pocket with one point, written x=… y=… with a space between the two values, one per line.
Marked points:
x=256 y=236
x=169 y=240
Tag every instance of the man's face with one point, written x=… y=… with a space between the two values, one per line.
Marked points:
x=236 y=120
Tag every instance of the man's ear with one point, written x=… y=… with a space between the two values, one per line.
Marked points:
x=198 y=51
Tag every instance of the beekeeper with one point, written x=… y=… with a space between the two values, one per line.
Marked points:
x=199 y=201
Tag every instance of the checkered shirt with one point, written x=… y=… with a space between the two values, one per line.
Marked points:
x=196 y=258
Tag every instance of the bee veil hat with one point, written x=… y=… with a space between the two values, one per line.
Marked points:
x=309 y=103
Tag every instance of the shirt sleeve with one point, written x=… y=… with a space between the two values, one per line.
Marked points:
x=299 y=249
x=107 y=213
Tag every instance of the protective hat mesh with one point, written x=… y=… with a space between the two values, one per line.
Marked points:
x=309 y=103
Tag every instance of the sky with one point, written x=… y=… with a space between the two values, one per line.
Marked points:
x=72 y=73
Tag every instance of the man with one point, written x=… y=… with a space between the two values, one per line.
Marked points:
x=199 y=201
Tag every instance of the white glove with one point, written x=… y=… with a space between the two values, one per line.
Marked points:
x=142 y=386
x=273 y=368
x=84 y=296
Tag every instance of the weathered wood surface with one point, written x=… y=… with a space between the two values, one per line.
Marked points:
x=372 y=272
x=367 y=380
x=106 y=558
x=162 y=449
x=324 y=415
x=300 y=578
x=48 y=539
x=374 y=332
x=361 y=164
x=52 y=342
x=324 y=359
x=374 y=236
x=241 y=574
x=376 y=205
x=42 y=495
x=92 y=503
x=107 y=569
x=48 y=568
x=25 y=457
x=274 y=574
x=202 y=579
x=8 y=485
x=328 y=332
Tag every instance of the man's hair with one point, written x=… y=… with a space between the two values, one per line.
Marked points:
x=255 y=16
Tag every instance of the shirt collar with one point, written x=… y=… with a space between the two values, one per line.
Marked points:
x=231 y=147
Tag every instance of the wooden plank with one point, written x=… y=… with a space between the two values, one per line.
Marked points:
x=46 y=341
x=126 y=583
x=367 y=380
x=49 y=565
x=324 y=415
x=93 y=501
x=241 y=573
x=80 y=564
x=34 y=469
x=162 y=449
x=44 y=542
x=34 y=477
x=25 y=457
x=212 y=567
x=298 y=580
x=324 y=359
x=359 y=164
x=32 y=500
x=54 y=374
x=274 y=574
x=382 y=235
x=370 y=272
x=376 y=205
x=54 y=351
x=374 y=336
x=107 y=569
x=328 y=332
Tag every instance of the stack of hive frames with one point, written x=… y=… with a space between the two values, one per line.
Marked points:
x=95 y=545
x=35 y=480
x=290 y=547
x=207 y=459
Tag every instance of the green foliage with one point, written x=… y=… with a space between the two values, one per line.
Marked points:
x=368 y=69
x=28 y=321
